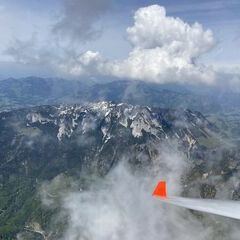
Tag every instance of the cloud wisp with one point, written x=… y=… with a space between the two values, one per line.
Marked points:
x=79 y=19
x=120 y=206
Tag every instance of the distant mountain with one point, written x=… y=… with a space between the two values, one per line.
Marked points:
x=33 y=91
x=40 y=143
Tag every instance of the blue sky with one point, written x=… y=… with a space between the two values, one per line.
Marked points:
x=27 y=19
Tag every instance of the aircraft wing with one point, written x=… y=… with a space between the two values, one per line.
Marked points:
x=226 y=208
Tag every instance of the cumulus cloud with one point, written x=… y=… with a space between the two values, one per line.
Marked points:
x=160 y=66
x=165 y=49
x=79 y=17
x=83 y=64
x=152 y=28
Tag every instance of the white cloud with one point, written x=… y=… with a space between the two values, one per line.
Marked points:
x=83 y=64
x=152 y=28
x=158 y=65
x=165 y=49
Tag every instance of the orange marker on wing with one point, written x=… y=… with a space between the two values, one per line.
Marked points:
x=160 y=190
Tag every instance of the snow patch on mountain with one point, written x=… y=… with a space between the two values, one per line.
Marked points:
x=106 y=117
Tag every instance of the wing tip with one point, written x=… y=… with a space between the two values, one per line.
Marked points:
x=160 y=190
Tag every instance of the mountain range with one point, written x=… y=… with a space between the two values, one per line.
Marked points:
x=41 y=143
x=33 y=91
x=62 y=135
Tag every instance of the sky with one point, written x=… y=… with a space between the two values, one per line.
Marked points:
x=157 y=41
